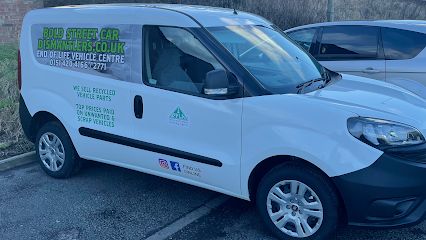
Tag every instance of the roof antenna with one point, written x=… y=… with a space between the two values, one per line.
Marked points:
x=233 y=6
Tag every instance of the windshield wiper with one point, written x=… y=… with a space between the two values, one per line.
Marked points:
x=302 y=86
x=326 y=75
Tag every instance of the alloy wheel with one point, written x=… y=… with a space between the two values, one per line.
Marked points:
x=51 y=152
x=295 y=208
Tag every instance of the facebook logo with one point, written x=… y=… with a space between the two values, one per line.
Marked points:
x=175 y=166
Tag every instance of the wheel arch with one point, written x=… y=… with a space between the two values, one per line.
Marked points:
x=38 y=120
x=263 y=167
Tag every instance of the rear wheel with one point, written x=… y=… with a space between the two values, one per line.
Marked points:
x=297 y=202
x=56 y=152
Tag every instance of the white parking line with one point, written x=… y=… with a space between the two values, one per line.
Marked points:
x=188 y=218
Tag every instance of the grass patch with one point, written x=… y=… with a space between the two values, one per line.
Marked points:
x=10 y=129
x=12 y=140
x=6 y=103
x=8 y=73
x=4 y=146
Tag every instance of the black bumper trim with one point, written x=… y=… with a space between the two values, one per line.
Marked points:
x=389 y=193
x=87 y=132
x=26 y=119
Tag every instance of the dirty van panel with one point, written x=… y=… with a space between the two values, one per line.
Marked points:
x=111 y=51
x=90 y=68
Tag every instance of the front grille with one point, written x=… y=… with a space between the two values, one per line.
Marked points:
x=413 y=153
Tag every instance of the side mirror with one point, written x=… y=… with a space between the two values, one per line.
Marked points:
x=216 y=83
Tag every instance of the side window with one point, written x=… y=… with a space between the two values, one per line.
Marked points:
x=175 y=60
x=304 y=37
x=402 y=44
x=349 y=42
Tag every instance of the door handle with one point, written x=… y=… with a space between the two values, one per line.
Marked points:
x=138 y=106
x=371 y=70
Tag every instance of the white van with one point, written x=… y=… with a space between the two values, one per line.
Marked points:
x=222 y=100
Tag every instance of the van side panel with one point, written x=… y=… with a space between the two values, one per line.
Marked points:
x=96 y=99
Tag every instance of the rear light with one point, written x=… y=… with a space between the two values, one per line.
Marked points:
x=19 y=71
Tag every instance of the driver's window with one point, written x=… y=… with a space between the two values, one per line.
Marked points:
x=175 y=60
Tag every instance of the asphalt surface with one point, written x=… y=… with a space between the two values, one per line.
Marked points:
x=106 y=202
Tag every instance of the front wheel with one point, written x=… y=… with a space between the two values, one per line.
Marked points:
x=297 y=202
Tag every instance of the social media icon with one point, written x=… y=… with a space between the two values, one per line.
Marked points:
x=163 y=163
x=175 y=166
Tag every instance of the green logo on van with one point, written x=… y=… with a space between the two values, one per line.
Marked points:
x=178 y=117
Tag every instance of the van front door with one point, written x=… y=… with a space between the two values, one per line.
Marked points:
x=182 y=133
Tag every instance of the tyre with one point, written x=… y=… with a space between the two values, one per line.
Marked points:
x=56 y=152
x=297 y=202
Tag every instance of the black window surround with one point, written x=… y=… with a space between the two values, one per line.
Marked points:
x=250 y=87
x=194 y=33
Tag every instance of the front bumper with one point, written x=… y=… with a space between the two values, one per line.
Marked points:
x=389 y=193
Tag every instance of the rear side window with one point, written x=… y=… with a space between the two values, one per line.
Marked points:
x=402 y=44
x=349 y=42
x=304 y=37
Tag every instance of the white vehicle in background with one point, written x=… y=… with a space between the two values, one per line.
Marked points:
x=225 y=101
x=388 y=50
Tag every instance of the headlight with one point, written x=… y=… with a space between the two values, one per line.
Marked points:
x=382 y=133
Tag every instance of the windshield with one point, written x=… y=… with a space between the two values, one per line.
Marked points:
x=269 y=56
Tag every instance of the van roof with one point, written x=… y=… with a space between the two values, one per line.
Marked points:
x=411 y=25
x=207 y=16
